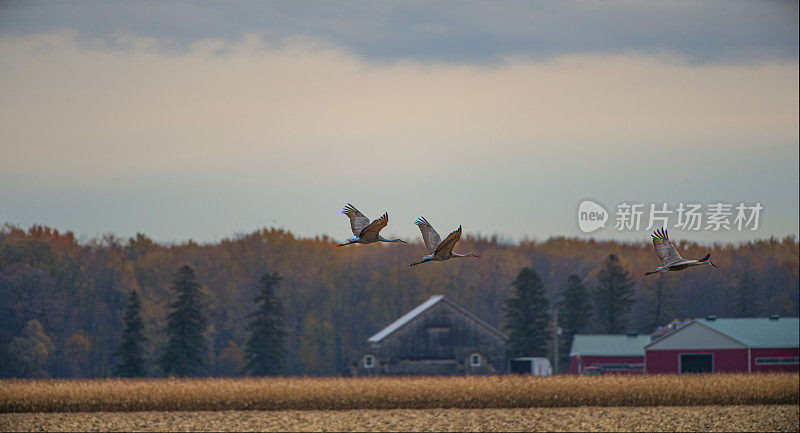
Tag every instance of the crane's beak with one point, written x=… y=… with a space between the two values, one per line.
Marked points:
x=713 y=264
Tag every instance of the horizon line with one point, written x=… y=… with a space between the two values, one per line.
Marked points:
x=496 y=238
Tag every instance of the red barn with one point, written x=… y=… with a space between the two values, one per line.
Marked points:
x=727 y=345
x=623 y=354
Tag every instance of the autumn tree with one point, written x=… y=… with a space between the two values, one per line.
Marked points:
x=230 y=361
x=30 y=351
x=574 y=308
x=613 y=297
x=76 y=353
x=186 y=350
x=526 y=316
x=264 y=352
x=130 y=352
x=334 y=306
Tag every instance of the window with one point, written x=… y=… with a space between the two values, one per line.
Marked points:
x=786 y=360
x=474 y=360
x=696 y=363
x=369 y=361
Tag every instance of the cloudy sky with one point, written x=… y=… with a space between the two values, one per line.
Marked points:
x=201 y=120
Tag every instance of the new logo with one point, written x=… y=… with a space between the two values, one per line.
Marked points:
x=591 y=216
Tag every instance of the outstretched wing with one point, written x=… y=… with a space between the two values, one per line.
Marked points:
x=372 y=230
x=664 y=247
x=358 y=221
x=429 y=235
x=448 y=243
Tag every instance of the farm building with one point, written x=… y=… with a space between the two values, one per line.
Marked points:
x=622 y=354
x=533 y=365
x=727 y=345
x=438 y=337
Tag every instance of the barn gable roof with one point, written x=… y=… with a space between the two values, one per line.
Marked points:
x=421 y=308
x=759 y=332
x=749 y=332
x=695 y=335
x=609 y=345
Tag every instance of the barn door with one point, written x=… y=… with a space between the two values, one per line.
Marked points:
x=696 y=363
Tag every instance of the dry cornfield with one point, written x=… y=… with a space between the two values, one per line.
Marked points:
x=464 y=392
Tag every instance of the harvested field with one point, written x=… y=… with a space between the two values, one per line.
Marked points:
x=468 y=392
x=659 y=418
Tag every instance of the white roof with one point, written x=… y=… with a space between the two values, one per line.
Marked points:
x=421 y=308
x=405 y=319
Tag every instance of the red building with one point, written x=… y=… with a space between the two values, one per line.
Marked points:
x=727 y=345
x=604 y=354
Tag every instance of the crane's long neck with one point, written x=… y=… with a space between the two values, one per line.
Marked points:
x=382 y=239
x=456 y=255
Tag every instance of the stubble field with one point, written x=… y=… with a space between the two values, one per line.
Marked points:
x=605 y=403
x=585 y=418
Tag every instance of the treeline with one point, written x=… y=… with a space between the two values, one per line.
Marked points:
x=63 y=303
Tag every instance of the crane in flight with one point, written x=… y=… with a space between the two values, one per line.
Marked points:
x=439 y=250
x=673 y=261
x=365 y=232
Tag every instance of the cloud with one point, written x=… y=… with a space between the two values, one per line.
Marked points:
x=144 y=108
x=444 y=31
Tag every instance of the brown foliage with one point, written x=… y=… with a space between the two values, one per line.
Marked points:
x=335 y=298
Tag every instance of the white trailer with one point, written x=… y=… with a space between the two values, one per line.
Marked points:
x=531 y=365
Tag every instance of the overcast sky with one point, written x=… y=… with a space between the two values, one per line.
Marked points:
x=205 y=119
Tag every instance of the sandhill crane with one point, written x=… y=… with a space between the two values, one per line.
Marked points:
x=438 y=250
x=669 y=255
x=365 y=232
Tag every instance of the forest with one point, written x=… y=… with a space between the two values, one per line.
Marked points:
x=66 y=299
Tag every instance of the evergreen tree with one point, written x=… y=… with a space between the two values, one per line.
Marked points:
x=613 y=297
x=265 y=351
x=574 y=308
x=526 y=316
x=186 y=350
x=130 y=353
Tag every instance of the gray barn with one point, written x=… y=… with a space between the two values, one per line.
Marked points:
x=438 y=337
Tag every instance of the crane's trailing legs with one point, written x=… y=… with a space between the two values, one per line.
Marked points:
x=669 y=256
x=439 y=250
x=366 y=232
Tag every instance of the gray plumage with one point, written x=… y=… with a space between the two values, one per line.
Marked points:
x=439 y=250
x=365 y=232
x=672 y=261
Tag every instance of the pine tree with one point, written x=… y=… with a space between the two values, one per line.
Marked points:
x=526 y=316
x=613 y=297
x=130 y=353
x=265 y=351
x=574 y=308
x=186 y=350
